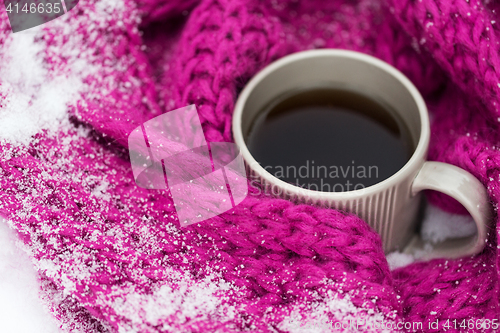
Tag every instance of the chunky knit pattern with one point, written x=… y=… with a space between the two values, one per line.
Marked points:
x=112 y=256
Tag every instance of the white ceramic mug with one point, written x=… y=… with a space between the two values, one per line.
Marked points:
x=390 y=206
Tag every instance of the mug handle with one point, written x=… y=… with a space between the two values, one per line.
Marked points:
x=466 y=189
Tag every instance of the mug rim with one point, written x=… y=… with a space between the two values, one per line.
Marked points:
x=418 y=156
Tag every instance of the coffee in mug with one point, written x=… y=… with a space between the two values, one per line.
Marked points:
x=329 y=139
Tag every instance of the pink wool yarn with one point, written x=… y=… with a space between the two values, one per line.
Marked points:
x=112 y=257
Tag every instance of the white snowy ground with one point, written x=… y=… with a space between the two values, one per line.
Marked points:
x=22 y=311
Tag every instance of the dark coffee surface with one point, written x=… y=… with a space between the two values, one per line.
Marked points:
x=329 y=140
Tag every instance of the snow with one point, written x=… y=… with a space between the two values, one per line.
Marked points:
x=21 y=310
x=33 y=100
x=337 y=312
x=180 y=301
x=398 y=259
x=437 y=226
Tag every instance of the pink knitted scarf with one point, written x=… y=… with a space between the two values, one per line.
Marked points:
x=111 y=255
